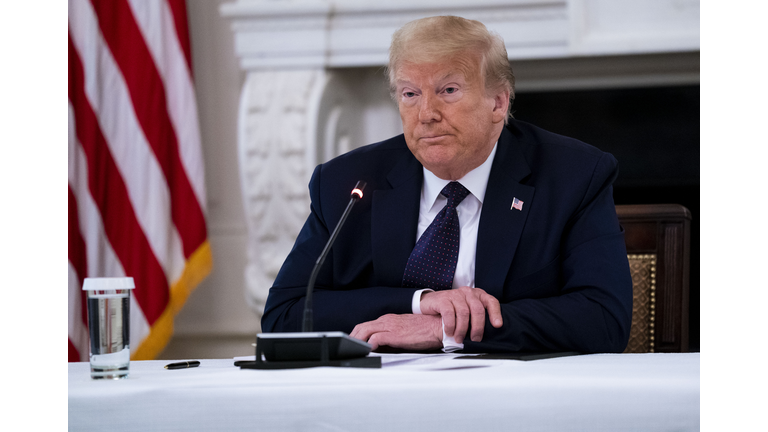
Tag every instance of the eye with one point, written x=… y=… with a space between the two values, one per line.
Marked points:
x=409 y=94
x=451 y=90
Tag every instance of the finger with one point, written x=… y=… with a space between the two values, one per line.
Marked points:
x=478 y=320
x=380 y=339
x=373 y=341
x=363 y=331
x=494 y=310
x=477 y=313
x=462 y=319
x=359 y=332
x=355 y=331
x=448 y=315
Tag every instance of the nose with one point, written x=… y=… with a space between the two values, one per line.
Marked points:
x=429 y=110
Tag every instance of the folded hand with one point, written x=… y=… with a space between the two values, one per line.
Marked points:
x=410 y=332
x=461 y=307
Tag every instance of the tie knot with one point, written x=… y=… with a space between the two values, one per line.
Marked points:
x=455 y=193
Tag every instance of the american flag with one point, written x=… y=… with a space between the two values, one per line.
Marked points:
x=136 y=181
x=517 y=204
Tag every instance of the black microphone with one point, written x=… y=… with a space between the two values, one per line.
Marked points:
x=356 y=194
x=307 y=348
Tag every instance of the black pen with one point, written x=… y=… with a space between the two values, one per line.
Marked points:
x=183 y=365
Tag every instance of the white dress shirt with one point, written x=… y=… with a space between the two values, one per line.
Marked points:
x=432 y=201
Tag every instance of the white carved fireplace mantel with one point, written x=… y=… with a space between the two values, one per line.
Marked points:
x=315 y=87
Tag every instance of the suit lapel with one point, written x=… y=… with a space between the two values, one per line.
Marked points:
x=394 y=221
x=500 y=224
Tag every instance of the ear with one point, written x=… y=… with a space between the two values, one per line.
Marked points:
x=500 y=106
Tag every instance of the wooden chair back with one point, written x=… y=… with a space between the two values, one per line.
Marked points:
x=658 y=247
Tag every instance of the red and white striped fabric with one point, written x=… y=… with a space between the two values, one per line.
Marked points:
x=136 y=183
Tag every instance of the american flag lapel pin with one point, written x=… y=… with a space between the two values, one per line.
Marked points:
x=516 y=204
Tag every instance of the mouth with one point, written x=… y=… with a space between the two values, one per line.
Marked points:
x=432 y=137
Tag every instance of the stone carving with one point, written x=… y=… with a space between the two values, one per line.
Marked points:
x=290 y=121
x=276 y=118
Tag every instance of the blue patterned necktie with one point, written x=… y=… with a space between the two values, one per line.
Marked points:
x=432 y=263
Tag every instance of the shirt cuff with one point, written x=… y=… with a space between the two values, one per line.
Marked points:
x=449 y=344
x=416 y=301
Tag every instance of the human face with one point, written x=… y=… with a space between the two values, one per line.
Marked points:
x=449 y=120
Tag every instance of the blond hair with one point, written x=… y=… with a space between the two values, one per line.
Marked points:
x=436 y=39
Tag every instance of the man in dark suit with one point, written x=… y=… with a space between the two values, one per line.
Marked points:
x=535 y=257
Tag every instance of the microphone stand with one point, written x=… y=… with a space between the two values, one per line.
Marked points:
x=357 y=193
x=312 y=349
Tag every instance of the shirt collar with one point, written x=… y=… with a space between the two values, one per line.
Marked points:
x=476 y=181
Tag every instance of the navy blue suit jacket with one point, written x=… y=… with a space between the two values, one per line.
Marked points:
x=558 y=266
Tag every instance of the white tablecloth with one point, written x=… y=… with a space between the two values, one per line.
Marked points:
x=602 y=392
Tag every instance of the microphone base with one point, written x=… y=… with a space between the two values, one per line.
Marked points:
x=310 y=349
x=364 y=362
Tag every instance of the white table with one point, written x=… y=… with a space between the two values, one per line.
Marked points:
x=601 y=392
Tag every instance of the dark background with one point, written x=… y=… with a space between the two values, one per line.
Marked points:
x=654 y=134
